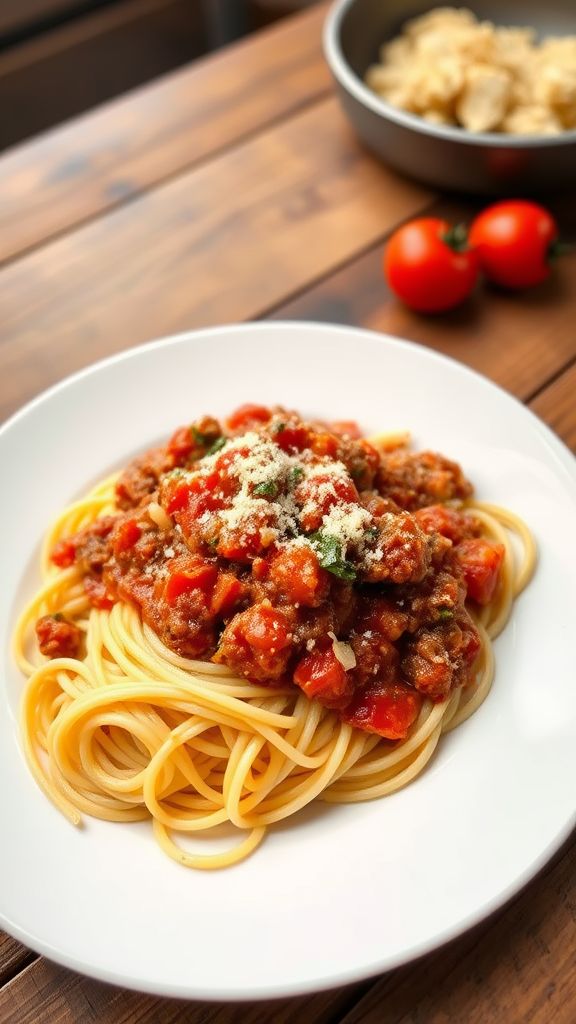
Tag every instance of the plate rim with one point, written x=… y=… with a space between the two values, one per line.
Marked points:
x=440 y=938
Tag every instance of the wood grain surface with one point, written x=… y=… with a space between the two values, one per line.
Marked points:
x=120 y=150
x=219 y=243
x=235 y=189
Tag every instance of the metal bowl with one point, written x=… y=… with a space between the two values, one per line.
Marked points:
x=446 y=157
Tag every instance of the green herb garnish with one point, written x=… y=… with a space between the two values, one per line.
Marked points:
x=295 y=475
x=279 y=427
x=444 y=614
x=218 y=444
x=329 y=551
x=268 y=489
x=207 y=440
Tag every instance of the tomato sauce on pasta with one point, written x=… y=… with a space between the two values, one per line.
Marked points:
x=313 y=607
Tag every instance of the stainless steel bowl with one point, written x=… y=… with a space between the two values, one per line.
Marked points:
x=447 y=157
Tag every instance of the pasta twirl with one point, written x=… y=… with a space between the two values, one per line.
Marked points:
x=130 y=729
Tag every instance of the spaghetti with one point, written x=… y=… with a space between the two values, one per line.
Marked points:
x=130 y=729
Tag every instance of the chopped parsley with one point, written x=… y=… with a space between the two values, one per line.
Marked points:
x=268 y=489
x=371 y=533
x=218 y=444
x=444 y=614
x=329 y=551
x=295 y=475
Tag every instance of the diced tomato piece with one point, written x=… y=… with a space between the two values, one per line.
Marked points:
x=324 y=444
x=260 y=568
x=57 y=638
x=381 y=616
x=63 y=553
x=481 y=561
x=199 y=577
x=292 y=438
x=98 y=595
x=266 y=628
x=227 y=592
x=181 y=443
x=346 y=428
x=238 y=545
x=388 y=709
x=449 y=522
x=323 y=491
x=126 y=536
x=471 y=643
x=297 y=573
x=320 y=674
x=175 y=494
x=247 y=415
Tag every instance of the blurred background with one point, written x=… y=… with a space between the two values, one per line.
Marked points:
x=61 y=57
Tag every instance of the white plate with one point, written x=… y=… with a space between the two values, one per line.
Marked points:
x=337 y=893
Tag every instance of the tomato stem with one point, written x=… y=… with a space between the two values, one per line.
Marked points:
x=557 y=248
x=456 y=238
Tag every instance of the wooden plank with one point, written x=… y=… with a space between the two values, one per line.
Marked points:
x=119 y=150
x=557 y=406
x=47 y=994
x=91 y=59
x=521 y=969
x=13 y=957
x=520 y=339
x=220 y=243
x=18 y=14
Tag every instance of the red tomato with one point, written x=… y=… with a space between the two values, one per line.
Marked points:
x=247 y=416
x=298 y=575
x=292 y=438
x=126 y=536
x=181 y=444
x=57 y=638
x=514 y=241
x=227 y=592
x=320 y=674
x=98 y=595
x=321 y=498
x=388 y=709
x=198 y=577
x=449 y=522
x=63 y=554
x=430 y=266
x=266 y=628
x=480 y=560
x=346 y=428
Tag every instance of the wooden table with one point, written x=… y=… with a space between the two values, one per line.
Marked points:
x=232 y=190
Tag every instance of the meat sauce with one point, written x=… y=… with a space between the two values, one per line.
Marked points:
x=297 y=553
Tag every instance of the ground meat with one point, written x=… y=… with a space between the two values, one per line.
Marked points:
x=402 y=551
x=141 y=476
x=376 y=657
x=427 y=664
x=438 y=659
x=256 y=643
x=435 y=599
x=376 y=504
x=415 y=479
x=185 y=626
x=58 y=638
x=92 y=544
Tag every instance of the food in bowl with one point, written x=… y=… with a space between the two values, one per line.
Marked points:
x=452 y=69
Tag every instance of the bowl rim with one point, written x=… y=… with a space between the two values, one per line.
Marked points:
x=354 y=85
